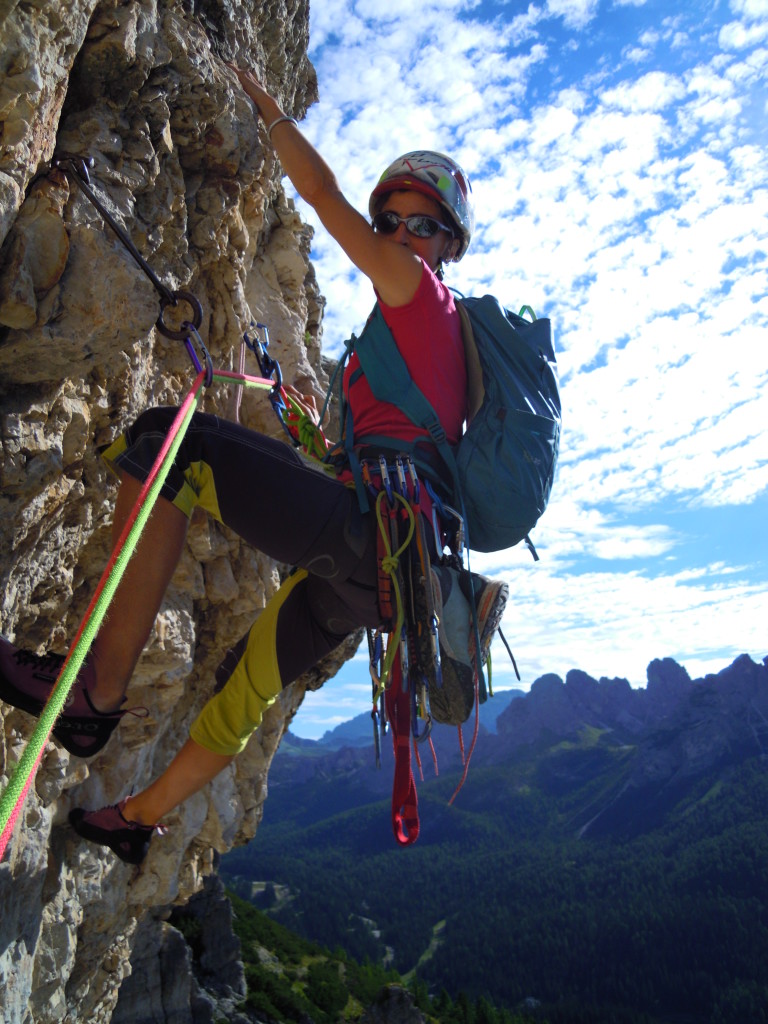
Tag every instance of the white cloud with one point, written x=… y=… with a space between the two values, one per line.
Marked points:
x=613 y=621
x=653 y=91
x=575 y=13
x=636 y=54
x=649 y=37
x=708 y=83
x=633 y=542
x=402 y=10
x=523 y=26
x=750 y=8
x=738 y=36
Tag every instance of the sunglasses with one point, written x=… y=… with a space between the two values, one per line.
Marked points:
x=419 y=225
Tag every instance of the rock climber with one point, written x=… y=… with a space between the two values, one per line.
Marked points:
x=421 y=217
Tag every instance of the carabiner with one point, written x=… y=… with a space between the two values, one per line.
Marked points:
x=386 y=483
x=79 y=165
x=414 y=480
x=269 y=367
x=426 y=717
x=400 y=474
x=460 y=532
x=192 y=330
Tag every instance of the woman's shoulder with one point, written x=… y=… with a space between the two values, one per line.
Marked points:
x=431 y=293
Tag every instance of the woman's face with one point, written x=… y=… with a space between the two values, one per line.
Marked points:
x=432 y=250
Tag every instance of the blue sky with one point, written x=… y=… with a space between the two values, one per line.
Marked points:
x=617 y=150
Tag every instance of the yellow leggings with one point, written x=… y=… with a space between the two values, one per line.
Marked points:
x=231 y=715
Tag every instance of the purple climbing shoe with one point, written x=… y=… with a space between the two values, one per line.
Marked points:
x=107 y=827
x=26 y=682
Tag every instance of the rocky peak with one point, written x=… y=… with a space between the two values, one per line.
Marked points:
x=190 y=964
x=580 y=686
x=394 y=1006
x=558 y=708
x=546 y=688
x=667 y=680
x=675 y=729
x=554 y=707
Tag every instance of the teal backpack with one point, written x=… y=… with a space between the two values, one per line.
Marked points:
x=499 y=475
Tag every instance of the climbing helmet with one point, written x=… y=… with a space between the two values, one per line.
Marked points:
x=437 y=176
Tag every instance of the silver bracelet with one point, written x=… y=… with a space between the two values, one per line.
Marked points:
x=279 y=120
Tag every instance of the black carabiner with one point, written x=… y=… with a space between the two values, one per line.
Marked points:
x=268 y=367
x=270 y=370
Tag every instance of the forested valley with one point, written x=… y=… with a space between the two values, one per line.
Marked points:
x=552 y=882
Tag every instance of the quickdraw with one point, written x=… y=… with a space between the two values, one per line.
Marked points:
x=302 y=431
x=269 y=368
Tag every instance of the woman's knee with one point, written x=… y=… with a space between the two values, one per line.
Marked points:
x=155 y=420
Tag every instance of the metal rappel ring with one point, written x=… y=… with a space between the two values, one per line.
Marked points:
x=197 y=310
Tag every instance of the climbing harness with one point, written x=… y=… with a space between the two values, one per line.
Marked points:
x=15 y=793
x=410 y=689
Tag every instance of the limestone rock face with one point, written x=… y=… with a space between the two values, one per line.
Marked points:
x=181 y=163
x=188 y=968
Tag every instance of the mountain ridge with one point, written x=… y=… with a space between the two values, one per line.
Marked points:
x=668 y=734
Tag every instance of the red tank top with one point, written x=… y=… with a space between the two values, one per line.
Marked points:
x=427 y=332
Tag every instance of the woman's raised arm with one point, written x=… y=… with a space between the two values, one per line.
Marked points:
x=394 y=269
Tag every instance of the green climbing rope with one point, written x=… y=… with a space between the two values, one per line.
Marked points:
x=15 y=792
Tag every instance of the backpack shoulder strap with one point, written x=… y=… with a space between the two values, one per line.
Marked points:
x=391 y=381
x=475 y=387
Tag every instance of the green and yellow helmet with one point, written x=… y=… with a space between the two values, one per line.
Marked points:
x=437 y=176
